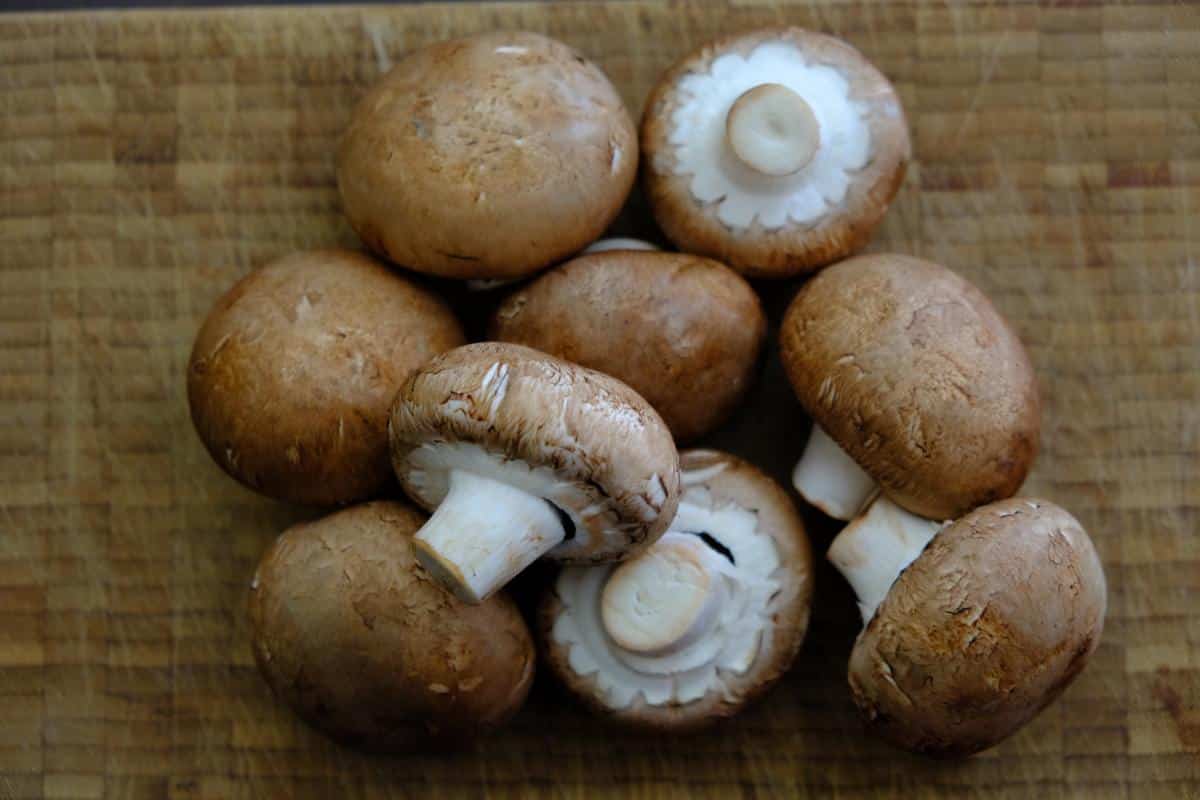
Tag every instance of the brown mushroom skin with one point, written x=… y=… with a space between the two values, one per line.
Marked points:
x=684 y=332
x=883 y=326
x=747 y=486
x=984 y=630
x=791 y=250
x=351 y=633
x=293 y=372
x=487 y=157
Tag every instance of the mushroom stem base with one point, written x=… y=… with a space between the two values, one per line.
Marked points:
x=828 y=478
x=483 y=534
x=875 y=548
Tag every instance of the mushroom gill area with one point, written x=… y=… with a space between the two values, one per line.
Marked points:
x=700 y=137
x=724 y=572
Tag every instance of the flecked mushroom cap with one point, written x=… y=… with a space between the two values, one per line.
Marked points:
x=795 y=247
x=293 y=373
x=354 y=636
x=985 y=629
x=598 y=451
x=913 y=372
x=728 y=479
x=684 y=332
x=491 y=157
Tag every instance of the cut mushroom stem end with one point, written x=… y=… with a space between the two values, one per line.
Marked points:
x=828 y=478
x=666 y=599
x=874 y=549
x=772 y=130
x=483 y=534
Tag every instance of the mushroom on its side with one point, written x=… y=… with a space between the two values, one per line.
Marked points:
x=293 y=372
x=683 y=331
x=489 y=157
x=972 y=627
x=775 y=151
x=520 y=454
x=353 y=635
x=916 y=386
x=701 y=623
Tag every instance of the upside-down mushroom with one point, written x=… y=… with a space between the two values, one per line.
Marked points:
x=518 y=455
x=701 y=623
x=775 y=151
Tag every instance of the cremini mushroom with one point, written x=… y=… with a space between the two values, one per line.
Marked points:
x=972 y=627
x=915 y=384
x=705 y=620
x=776 y=151
x=683 y=331
x=293 y=372
x=352 y=634
x=520 y=454
x=489 y=157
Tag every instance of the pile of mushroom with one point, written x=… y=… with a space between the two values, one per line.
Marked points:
x=328 y=378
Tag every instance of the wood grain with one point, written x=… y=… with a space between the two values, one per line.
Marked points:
x=149 y=159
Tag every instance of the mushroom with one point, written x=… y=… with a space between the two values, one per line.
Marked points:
x=357 y=639
x=701 y=623
x=520 y=455
x=487 y=157
x=617 y=243
x=776 y=151
x=971 y=628
x=915 y=384
x=683 y=331
x=293 y=373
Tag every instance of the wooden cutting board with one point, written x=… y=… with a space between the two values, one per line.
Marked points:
x=149 y=159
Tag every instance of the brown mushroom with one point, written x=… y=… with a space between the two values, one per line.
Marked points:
x=914 y=382
x=488 y=157
x=973 y=628
x=520 y=454
x=683 y=331
x=701 y=623
x=293 y=372
x=357 y=639
x=776 y=151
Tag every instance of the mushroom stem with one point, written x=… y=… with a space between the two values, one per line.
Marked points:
x=617 y=243
x=772 y=130
x=664 y=600
x=875 y=548
x=483 y=534
x=828 y=478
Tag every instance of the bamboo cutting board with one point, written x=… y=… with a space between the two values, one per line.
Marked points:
x=149 y=159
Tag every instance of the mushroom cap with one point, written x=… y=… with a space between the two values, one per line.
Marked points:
x=913 y=372
x=683 y=331
x=982 y=631
x=491 y=156
x=587 y=442
x=293 y=372
x=358 y=640
x=727 y=479
x=794 y=247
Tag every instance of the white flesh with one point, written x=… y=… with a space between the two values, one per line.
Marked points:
x=618 y=243
x=828 y=478
x=874 y=549
x=772 y=130
x=483 y=533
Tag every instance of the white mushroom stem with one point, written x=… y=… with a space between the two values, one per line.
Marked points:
x=874 y=549
x=483 y=534
x=665 y=599
x=828 y=478
x=604 y=245
x=772 y=130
